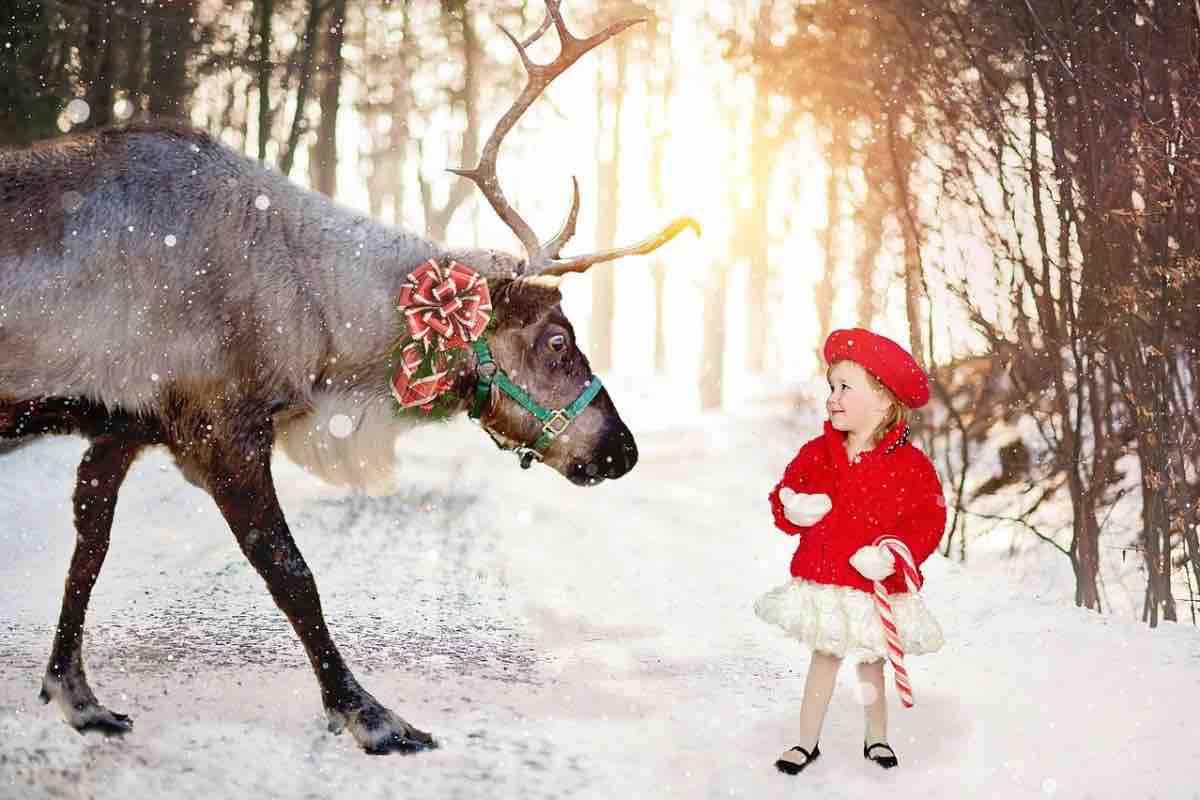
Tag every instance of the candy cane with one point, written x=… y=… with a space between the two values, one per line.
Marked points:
x=912 y=578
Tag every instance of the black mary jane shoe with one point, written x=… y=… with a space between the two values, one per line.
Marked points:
x=885 y=761
x=787 y=765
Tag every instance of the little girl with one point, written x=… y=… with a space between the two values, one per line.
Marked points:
x=846 y=491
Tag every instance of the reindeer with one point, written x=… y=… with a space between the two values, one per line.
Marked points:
x=157 y=288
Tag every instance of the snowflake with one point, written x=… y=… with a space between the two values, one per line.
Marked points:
x=340 y=426
x=78 y=111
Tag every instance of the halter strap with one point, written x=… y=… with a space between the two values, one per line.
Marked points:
x=554 y=423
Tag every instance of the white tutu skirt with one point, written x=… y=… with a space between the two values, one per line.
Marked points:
x=844 y=622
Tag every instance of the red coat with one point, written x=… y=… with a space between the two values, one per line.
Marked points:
x=892 y=489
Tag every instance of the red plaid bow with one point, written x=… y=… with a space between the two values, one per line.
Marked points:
x=444 y=309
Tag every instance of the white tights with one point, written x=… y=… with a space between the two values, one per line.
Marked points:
x=818 y=688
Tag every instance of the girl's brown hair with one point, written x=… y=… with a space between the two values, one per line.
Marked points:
x=896 y=414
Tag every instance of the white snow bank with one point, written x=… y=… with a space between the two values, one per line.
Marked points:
x=560 y=642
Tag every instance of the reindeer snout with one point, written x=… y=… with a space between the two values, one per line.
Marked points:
x=618 y=454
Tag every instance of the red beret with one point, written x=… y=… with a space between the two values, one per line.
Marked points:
x=883 y=358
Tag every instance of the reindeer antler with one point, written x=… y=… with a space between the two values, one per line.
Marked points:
x=561 y=266
x=544 y=258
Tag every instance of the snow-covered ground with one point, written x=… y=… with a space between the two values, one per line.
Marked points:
x=560 y=642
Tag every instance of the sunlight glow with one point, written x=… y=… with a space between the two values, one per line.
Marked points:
x=706 y=174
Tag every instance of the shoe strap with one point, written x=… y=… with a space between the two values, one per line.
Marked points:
x=807 y=755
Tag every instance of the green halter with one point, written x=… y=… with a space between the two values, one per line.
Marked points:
x=553 y=422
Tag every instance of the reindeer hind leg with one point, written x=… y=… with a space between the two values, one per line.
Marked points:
x=100 y=475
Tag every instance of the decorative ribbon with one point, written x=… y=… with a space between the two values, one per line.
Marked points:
x=445 y=309
x=912 y=578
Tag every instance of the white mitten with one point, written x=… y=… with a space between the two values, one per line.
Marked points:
x=804 y=509
x=873 y=563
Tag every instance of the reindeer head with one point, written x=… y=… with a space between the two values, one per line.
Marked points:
x=535 y=372
x=538 y=367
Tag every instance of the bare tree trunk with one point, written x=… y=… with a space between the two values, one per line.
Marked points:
x=397 y=153
x=402 y=102
x=1146 y=391
x=655 y=116
x=437 y=220
x=756 y=236
x=140 y=36
x=658 y=155
x=97 y=62
x=603 y=280
x=914 y=270
x=324 y=152
x=823 y=301
x=712 y=363
x=870 y=218
x=1057 y=331
x=171 y=46
x=246 y=115
x=34 y=45
x=660 y=325
x=266 y=9
x=311 y=35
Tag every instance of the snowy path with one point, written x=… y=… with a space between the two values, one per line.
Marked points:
x=560 y=643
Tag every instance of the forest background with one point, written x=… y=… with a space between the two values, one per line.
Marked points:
x=1008 y=188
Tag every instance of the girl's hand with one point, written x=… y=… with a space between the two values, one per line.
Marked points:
x=804 y=509
x=873 y=563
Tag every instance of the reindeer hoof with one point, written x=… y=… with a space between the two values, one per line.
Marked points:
x=109 y=723
x=378 y=731
x=79 y=706
x=413 y=741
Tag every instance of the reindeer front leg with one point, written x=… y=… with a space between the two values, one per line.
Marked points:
x=244 y=491
x=100 y=475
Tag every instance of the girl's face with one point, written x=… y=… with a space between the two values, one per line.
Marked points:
x=854 y=405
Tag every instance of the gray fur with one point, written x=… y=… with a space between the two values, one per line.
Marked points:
x=157 y=288
x=290 y=307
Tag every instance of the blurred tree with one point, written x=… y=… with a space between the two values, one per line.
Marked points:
x=612 y=67
x=324 y=159
x=265 y=10
x=170 y=37
x=459 y=24
x=1066 y=135
x=123 y=59
x=33 y=78
x=1069 y=134
x=308 y=44
x=661 y=84
x=847 y=68
x=96 y=61
x=751 y=47
x=427 y=77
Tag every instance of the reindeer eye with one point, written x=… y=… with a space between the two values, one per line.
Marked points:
x=558 y=343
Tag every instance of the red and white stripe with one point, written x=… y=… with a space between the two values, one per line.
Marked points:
x=912 y=578
x=444 y=309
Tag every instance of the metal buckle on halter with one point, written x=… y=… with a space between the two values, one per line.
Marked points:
x=557 y=423
x=527 y=455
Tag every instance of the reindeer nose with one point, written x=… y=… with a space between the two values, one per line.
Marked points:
x=619 y=453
